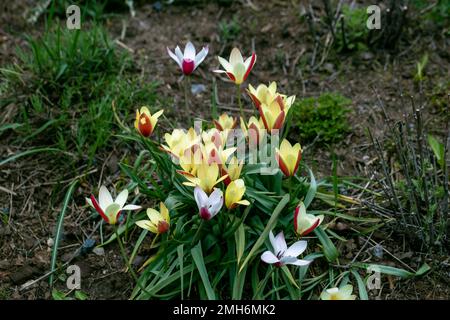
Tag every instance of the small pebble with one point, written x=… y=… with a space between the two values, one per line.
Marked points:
x=99 y=251
x=50 y=242
x=198 y=88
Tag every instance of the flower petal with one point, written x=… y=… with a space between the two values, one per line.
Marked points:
x=131 y=207
x=174 y=57
x=179 y=54
x=225 y=64
x=236 y=57
x=201 y=198
x=201 y=56
x=104 y=198
x=269 y=257
x=122 y=198
x=299 y=262
x=280 y=242
x=189 y=51
x=296 y=249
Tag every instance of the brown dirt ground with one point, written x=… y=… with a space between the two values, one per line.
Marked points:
x=275 y=33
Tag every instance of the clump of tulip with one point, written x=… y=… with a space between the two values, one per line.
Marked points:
x=213 y=184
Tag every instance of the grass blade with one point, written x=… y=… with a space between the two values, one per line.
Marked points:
x=59 y=229
x=361 y=286
x=197 y=255
x=27 y=153
x=329 y=249
x=180 y=258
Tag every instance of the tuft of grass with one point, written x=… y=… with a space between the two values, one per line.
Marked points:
x=65 y=84
x=321 y=119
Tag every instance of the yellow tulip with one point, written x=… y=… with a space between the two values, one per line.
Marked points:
x=273 y=107
x=159 y=222
x=344 y=293
x=145 y=123
x=304 y=223
x=234 y=193
x=233 y=170
x=179 y=141
x=225 y=122
x=254 y=129
x=206 y=177
x=288 y=157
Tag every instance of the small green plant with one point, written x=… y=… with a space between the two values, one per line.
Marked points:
x=229 y=30
x=77 y=295
x=321 y=119
x=420 y=76
x=351 y=33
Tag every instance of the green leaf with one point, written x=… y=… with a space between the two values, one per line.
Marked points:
x=361 y=286
x=270 y=224
x=312 y=189
x=80 y=295
x=58 y=295
x=8 y=126
x=240 y=242
x=59 y=226
x=137 y=245
x=197 y=255
x=402 y=273
x=288 y=274
x=438 y=150
x=27 y=153
x=329 y=249
x=180 y=262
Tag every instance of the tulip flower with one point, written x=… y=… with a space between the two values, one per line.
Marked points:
x=304 y=223
x=207 y=176
x=254 y=129
x=188 y=61
x=344 y=293
x=281 y=254
x=233 y=170
x=288 y=157
x=234 y=193
x=159 y=222
x=236 y=68
x=179 y=141
x=273 y=107
x=267 y=95
x=108 y=208
x=208 y=206
x=145 y=122
x=225 y=122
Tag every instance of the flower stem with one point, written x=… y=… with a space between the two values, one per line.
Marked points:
x=154 y=240
x=127 y=262
x=290 y=186
x=238 y=95
x=197 y=234
x=186 y=97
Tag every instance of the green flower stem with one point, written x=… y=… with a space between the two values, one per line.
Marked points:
x=197 y=234
x=127 y=262
x=186 y=97
x=290 y=186
x=238 y=95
